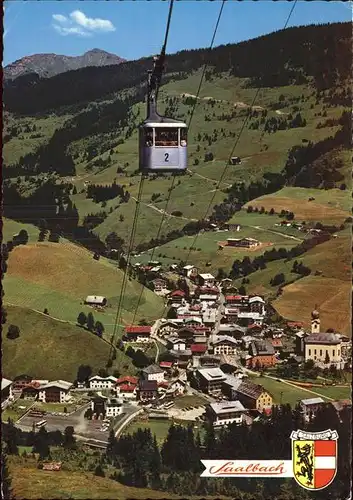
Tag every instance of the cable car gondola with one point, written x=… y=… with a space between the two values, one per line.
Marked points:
x=162 y=140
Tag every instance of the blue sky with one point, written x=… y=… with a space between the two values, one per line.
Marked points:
x=136 y=29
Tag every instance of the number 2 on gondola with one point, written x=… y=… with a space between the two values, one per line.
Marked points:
x=166 y=156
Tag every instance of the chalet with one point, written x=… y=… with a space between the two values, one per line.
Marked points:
x=225 y=345
x=54 y=392
x=210 y=380
x=236 y=300
x=176 y=344
x=159 y=285
x=170 y=327
x=202 y=330
x=177 y=296
x=6 y=389
x=127 y=380
x=153 y=372
x=310 y=407
x=252 y=396
x=186 y=334
x=167 y=366
x=31 y=389
x=233 y=330
x=178 y=387
x=257 y=304
x=138 y=334
x=192 y=322
x=95 y=300
x=97 y=382
x=226 y=283
x=225 y=413
x=20 y=382
x=190 y=271
x=113 y=407
x=206 y=279
x=147 y=390
x=126 y=391
x=263 y=354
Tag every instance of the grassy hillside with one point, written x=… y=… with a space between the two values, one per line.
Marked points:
x=31 y=483
x=59 y=276
x=205 y=248
x=52 y=349
x=296 y=132
x=330 y=207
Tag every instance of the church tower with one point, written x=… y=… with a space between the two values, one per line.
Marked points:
x=315 y=321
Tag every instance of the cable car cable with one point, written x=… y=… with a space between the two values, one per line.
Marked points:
x=155 y=79
x=233 y=149
x=189 y=125
x=123 y=286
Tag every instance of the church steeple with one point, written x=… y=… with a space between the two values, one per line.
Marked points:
x=315 y=321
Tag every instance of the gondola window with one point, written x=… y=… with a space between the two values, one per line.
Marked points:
x=167 y=137
x=183 y=137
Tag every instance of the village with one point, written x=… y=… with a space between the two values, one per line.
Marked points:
x=217 y=352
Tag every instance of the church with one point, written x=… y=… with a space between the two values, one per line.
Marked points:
x=323 y=348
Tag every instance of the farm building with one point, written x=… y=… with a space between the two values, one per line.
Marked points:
x=95 y=300
x=243 y=242
x=159 y=285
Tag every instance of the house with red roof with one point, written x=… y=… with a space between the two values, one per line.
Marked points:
x=138 y=334
x=177 y=296
x=126 y=391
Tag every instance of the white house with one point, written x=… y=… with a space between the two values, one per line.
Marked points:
x=206 y=279
x=226 y=412
x=54 y=392
x=113 y=407
x=97 y=382
x=177 y=387
x=190 y=271
x=153 y=372
x=176 y=344
x=225 y=345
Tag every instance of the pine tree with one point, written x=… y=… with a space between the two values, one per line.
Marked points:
x=41 y=443
x=99 y=328
x=82 y=319
x=90 y=322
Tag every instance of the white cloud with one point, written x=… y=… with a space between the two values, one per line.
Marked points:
x=90 y=23
x=60 y=18
x=81 y=25
x=73 y=30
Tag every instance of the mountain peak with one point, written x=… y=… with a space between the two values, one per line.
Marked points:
x=48 y=65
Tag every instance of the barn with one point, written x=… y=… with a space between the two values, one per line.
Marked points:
x=95 y=300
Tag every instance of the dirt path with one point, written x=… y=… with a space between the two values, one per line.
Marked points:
x=161 y=211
